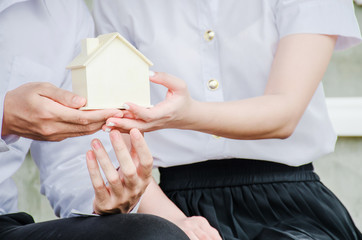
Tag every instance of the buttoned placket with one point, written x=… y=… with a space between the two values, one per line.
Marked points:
x=210 y=61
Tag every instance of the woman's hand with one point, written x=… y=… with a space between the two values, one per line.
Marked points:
x=125 y=186
x=173 y=112
x=197 y=227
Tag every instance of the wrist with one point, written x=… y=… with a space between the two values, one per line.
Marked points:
x=192 y=115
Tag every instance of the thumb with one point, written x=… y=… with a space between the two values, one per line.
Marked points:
x=138 y=112
x=171 y=82
x=62 y=96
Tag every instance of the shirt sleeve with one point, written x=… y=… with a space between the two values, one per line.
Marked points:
x=4 y=141
x=330 y=17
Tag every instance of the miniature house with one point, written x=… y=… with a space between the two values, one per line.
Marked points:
x=109 y=72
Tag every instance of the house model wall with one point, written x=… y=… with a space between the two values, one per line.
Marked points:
x=109 y=72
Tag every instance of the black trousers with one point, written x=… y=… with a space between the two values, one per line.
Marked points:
x=21 y=226
x=248 y=199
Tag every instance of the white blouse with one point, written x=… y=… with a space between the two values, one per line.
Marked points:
x=224 y=50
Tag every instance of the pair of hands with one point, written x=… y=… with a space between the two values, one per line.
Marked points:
x=45 y=112
x=42 y=111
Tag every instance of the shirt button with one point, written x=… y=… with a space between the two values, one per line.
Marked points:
x=213 y=84
x=209 y=35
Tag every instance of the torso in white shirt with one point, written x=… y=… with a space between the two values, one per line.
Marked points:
x=38 y=39
x=239 y=57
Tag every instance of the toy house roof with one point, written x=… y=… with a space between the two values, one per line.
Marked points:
x=82 y=60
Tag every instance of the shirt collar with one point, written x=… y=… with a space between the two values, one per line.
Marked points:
x=4 y=4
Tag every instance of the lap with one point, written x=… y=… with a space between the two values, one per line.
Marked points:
x=117 y=227
x=300 y=210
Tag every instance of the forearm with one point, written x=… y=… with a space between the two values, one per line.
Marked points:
x=268 y=116
x=155 y=202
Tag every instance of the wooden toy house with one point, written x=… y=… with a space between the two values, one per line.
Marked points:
x=109 y=72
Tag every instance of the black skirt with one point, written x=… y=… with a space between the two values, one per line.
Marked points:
x=248 y=199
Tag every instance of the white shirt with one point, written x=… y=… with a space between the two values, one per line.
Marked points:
x=38 y=39
x=239 y=57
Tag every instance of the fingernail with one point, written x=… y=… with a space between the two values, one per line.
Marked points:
x=107 y=130
x=110 y=124
x=115 y=135
x=126 y=106
x=136 y=133
x=118 y=115
x=96 y=144
x=77 y=100
x=152 y=73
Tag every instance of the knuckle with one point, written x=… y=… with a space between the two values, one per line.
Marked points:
x=83 y=121
x=148 y=118
x=114 y=179
x=45 y=84
x=203 y=220
x=88 y=128
x=183 y=85
x=130 y=172
x=149 y=164
x=47 y=131
x=44 y=114
x=98 y=186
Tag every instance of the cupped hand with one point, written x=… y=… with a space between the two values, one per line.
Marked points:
x=127 y=184
x=173 y=112
x=197 y=228
x=42 y=111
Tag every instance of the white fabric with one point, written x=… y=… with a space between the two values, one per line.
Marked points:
x=171 y=35
x=38 y=38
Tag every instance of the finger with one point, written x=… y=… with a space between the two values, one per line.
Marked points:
x=125 y=125
x=109 y=170
x=127 y=166
x=143 y=153
x=171 y=82
x=88 y=117
x=70 y=115
x=61 y=96
x=100 y=189
x=57 y=131
x=127 y=114
x=138 y=112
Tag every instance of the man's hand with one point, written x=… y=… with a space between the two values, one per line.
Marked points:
x=42 y=111
x=125 y=186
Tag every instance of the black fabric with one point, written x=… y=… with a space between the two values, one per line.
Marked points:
x=21 y=226
x=248 y=199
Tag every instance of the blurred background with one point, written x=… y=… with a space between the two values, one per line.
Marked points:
x=340 y=171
